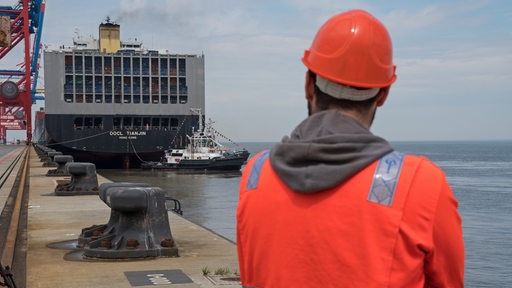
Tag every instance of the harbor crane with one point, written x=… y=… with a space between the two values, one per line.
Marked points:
x=20 y=36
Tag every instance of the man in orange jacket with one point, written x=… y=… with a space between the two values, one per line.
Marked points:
x=334 y=205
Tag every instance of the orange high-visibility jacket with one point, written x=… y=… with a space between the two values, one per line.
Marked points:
x=350 y=235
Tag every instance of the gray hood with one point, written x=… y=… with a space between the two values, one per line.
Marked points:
x=324 y=150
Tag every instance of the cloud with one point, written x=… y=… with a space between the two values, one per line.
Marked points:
x=189 y=18
x=471 y=72
x=404 y=21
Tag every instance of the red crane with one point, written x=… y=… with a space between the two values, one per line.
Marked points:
x=20 y=27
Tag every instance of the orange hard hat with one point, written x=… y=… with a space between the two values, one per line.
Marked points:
x=353 y=48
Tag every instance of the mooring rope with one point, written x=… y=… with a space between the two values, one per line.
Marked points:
x=79 y=139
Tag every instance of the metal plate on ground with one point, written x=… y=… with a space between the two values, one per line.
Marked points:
x=157 y=277
x=224 y=279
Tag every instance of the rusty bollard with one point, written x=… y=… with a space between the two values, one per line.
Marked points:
x=93 y=232
x=42 y=152
x=138 y=226
x=49 y=159
x=61 y=161
x=84 y=180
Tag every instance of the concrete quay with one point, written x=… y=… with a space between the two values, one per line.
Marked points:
x=56 y=221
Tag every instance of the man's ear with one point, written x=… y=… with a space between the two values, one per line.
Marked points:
x=309 y=88
x=383 y=95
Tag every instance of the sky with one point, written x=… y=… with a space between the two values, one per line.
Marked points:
x=453 y=58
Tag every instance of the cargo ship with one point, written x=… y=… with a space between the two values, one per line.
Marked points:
x=116 y=104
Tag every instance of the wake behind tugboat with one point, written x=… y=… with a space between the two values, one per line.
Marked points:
x=203 y=152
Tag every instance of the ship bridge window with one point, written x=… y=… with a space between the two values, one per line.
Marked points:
x=88 y=98
x=78 y=123
x=164 y=99
x=136 y=99
x=117 y=98
x=174 y=99
x=108 y=98
x=98 y=98
x=127 y=99
x=79 y=98
x=145 y=99
x=183 y=99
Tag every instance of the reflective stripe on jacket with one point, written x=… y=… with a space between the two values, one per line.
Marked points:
x=344 y=236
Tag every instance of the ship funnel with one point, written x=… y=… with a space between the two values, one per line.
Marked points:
x=110 y=37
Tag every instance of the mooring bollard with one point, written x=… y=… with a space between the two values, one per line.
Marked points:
x=61 y=161
x=93 y=232
x=84 y=180
x=49 y=161
x=138 y=226
x=41 y=150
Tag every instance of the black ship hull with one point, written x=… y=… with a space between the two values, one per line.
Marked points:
x=104 y=160
x=110 y=147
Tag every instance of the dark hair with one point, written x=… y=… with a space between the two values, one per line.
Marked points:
x=325 y=101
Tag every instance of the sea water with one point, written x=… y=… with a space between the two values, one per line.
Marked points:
x=479 y=172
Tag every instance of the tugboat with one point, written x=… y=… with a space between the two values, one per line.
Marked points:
x=203 y=152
